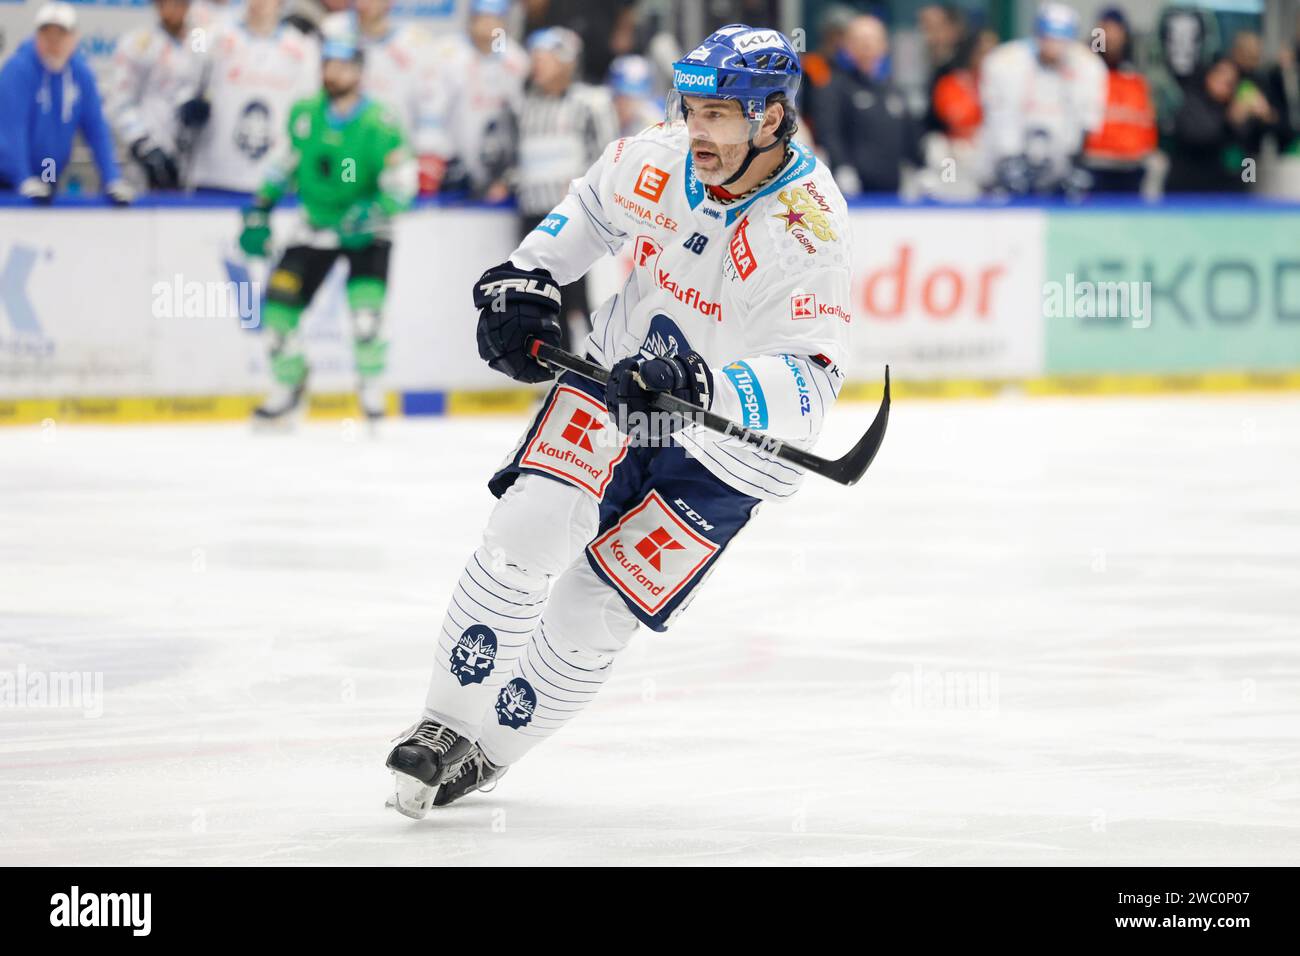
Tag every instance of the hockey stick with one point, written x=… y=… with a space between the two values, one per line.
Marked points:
x=846 y=470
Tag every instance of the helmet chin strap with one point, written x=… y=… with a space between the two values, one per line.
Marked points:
x=750 y=156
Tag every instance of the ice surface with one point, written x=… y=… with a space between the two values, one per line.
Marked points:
x=1117 y=582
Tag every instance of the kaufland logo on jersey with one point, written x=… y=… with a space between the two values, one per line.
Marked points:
x=695 y=79
x=690 y=297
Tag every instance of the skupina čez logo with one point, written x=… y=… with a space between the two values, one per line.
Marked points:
x=474 y=655
x=516 y=704
x=801 y=211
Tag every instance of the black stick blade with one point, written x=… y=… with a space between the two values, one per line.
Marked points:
x=854 y=464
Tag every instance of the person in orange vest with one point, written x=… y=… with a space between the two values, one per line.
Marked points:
x=955 y=103
x=1116 y=152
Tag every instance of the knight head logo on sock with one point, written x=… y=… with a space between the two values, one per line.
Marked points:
x=474 y=655
x=516 y=703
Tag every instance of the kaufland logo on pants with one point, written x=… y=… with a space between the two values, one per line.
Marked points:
x=651 y=555
x=654 y=544
x=578 y=431
x=574 y=442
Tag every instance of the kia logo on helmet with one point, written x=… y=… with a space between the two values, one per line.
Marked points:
x=759 y=39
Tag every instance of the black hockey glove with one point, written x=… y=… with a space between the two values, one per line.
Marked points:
x=195 y=113
x=158 y=166
x=634 y=382
x=516 y=305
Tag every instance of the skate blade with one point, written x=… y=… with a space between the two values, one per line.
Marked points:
x=411 y=797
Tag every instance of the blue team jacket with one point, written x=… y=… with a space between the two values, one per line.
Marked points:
x=40 y=111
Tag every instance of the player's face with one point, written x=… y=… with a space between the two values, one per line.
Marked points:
x=487 y=32
x=259 y=7
x=551 y=72
x=1051 y=50
x=54 y=46
x=719 y=134
x=171 y=13
x=340 y=77
x=372 y=10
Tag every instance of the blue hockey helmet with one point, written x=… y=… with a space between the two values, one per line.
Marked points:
x=740 y=63
x=341 y=37
x=1056 y=20
x=632 y=75
x=745 y=64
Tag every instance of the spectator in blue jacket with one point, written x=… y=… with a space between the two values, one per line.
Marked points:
x=47 y=94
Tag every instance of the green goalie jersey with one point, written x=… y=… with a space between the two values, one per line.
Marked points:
x=351 y=173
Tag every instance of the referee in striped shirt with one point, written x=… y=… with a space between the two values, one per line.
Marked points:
x=563 y=127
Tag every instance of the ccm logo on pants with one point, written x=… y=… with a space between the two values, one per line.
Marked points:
x=651 y=554
x=576 y=441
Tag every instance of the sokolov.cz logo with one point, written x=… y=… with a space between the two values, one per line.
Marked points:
x=75 y=908
x=70 y=690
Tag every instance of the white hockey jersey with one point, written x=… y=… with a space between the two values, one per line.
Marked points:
x=477 y=93
x=759 y=288
x=401 y=71
x=151 y=75
x=255 y=79
x=1036 y=111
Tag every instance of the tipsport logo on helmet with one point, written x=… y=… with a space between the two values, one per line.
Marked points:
x=689 y=78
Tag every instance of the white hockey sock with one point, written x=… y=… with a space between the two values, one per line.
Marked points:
x=569 y=658
x=493 y=613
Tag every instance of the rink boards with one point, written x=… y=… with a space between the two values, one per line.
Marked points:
x=150 y=314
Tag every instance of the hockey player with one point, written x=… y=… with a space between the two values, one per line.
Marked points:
x=349 y=164
x=1040 y=97
x=631 y=81
x=154 y=100
x=738 y=301
x=480 y=86
x=260 y=68
x=402 y=73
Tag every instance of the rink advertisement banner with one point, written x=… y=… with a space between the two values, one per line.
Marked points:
x=179 y=316
x=1033 y=300
x=934 y=304
x=1171 y=293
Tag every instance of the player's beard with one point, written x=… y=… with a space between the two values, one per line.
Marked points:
x=337 y=91
x=721 y=165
